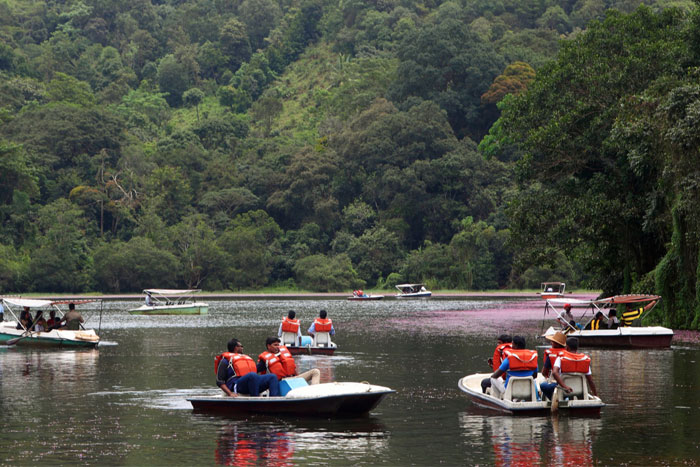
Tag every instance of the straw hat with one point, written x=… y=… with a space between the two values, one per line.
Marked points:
x=558 y=337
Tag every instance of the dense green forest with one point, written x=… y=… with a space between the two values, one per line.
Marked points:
x=336 y=144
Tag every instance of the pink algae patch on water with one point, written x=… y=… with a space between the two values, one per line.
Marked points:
x=686 y=337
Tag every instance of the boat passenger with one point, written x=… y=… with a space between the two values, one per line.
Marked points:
x=53 y=322
x=72 y=320
x=558 y=340
x=321 y=324
x=567 y=321
x=149 y=299
x=39 y=322
x=278 y=361
x=290 y=324
x=2 y=313
x=503 y=342
x=613 y=322
x=25 y=319
x=632 y=317
x=571 y=362
x=236 y=373
x=596 y=322
x=518 y=361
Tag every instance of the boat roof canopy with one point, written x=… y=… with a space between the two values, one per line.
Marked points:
x=167 y=292
x=638 y=298
x=28 y=302
x=409 y=285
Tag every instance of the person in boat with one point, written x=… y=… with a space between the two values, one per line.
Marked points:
x=40 y=324
x=149 y=299
x=321 y=324
x=72 y=320
x=558 y=340
x=53 y=322
x=613 y=322
x=596 y=323
x=503 y=342
x=236 y=374
x=518 y=361
x=571 y=362
x=291 y=324
x=2 y=313
x=633 y=317
x=567 y=319
x=25 y=319
x=278 y=361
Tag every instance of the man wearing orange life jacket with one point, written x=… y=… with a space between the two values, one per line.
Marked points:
x=503 y=342
x=571 y=362
x=236 y=373
x=518 y=361
x=322 y=324
x=278 y=361
x=290 y=324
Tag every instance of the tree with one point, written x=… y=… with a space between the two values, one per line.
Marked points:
x=173 y=79
x=192 y=98
x=326 y=274
x=234 y=42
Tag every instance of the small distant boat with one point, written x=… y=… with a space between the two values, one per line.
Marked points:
x=552 y=290
x=59 y=337
x=412 y=291
x=622 y=336
x=328 y=399
x=520 y=397
x=359 y=295
x=171 y=302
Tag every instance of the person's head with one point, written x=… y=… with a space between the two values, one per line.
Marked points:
x=572 y=344
x=628 y=306
x=272 y=344
x=52 y=313
x=291 y=314
x=518 y=342
x=567 y=307
x=71 y=306
x=612 y=312
x=323 y=314
x=26 y=308
x=235 y=346
x=558 y=339
x=599 y=315
x=504 y=339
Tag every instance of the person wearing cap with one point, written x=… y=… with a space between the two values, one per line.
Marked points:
x=278 y=361
x=567 y=320
x=558 y=340
x=503 y=342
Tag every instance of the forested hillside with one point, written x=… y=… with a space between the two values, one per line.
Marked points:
x=329 y=144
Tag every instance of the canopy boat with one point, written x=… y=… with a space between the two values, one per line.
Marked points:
x=552 y=290
x=359 y=295
x=170 y=302
x=521 y=396
x=412 y=291
x=320 y=344
x=624 y=336
x=26 y=334
x=328 y=399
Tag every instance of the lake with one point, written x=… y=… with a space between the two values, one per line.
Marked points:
x=125 y=403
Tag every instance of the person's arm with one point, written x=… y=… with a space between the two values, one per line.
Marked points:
x=591 y=384
x=557 y=376
x=279 y=333
x=312 y=329
x=501 y=369
x=547 y=367
x=221 y=378
x=332 y=330
x=261 y=367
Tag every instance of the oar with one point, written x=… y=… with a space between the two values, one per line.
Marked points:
x=17 y=339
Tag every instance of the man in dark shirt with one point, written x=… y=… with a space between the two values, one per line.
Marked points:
x=239 y=377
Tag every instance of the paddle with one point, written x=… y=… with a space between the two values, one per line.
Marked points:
x=555 y=400
x=17 y=339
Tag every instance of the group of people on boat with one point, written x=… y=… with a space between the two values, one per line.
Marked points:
x=237 y=373
x=71 y=320
x=512 y=358
x=630 y=317
x=290 y=324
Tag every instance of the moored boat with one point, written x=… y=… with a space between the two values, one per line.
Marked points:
x=552 y=290
x=616 y=336
x=359 y=295
x=412 y=291
x=15 y=332
x=170 y=302
x=522 y=396
x=328 y=399
x=320 y=344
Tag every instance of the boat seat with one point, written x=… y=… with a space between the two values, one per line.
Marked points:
x=521 y=388
x=577 y=382
x=322 y=339
x=289 y=338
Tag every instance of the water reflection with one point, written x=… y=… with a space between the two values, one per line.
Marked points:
x=524 y=441
x=239 y=447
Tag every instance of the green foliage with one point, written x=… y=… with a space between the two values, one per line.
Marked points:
x=326 y=274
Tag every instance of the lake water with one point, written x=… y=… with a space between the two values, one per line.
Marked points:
x=124 y=403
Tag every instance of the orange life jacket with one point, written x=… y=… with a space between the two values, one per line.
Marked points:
x=323 y=325
x=273 y=364
x=575 y=362
x=521 y=359
x=552 y=354
x=241 y=364
x=287 y=360
x=290 y=325
x=498 y=354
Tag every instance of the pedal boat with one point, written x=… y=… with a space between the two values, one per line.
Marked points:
x=171 y=302
x=319 y=400
x=320 y=344
x=412 y=291
x=521 y=396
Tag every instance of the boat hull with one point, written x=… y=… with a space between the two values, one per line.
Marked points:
x=471 y=385
x=624 y=337
x=362 y=299
x=51 y=339
x=343 y=399
x=414 y=295
x=185 y=309
x=308 y=350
